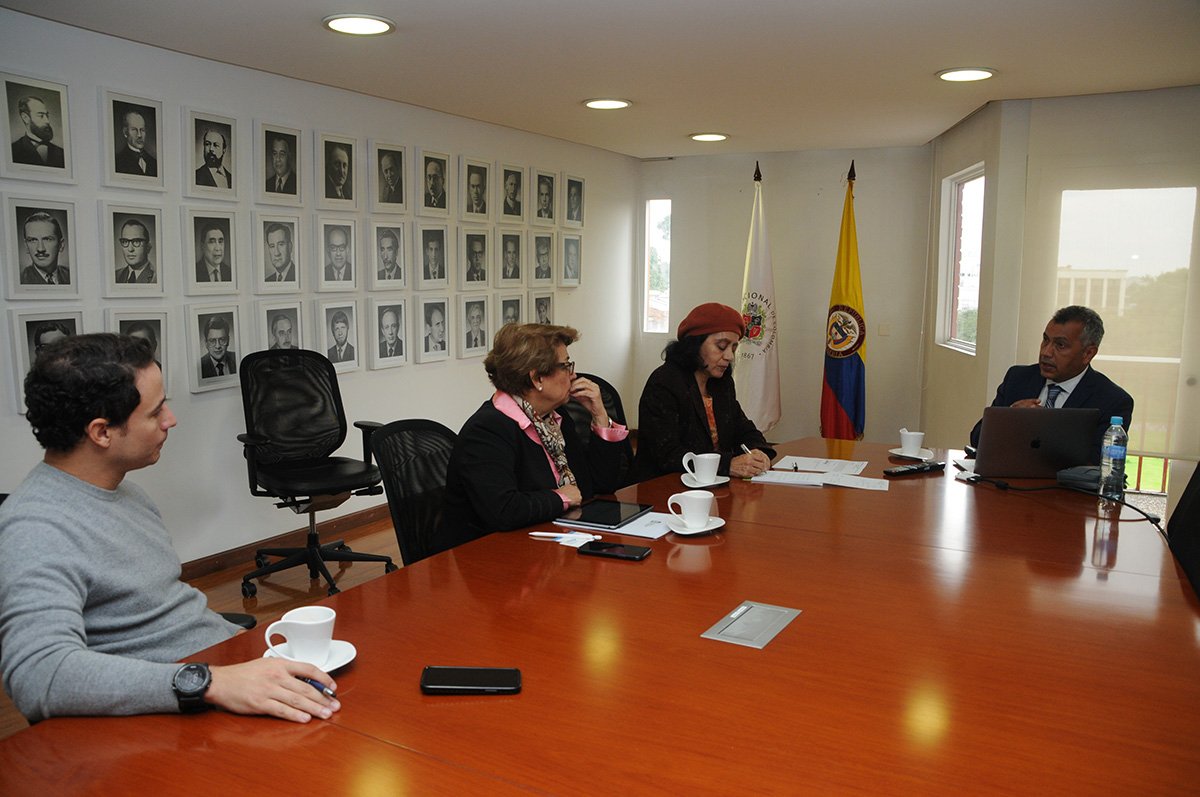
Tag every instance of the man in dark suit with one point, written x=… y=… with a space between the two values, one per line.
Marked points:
x=36 y=147
x=211 y=267
x=220 y=360
x=283 y=177
x=279 y=252
x=476 y=334
x=281 y=332
x=342 y=350
x=391 y=190
x=338 y=268
x=135 y=246
x=541 y=269
x=512 y=193
x=435 y=328
x=434 y=267
x=511 y=269
x=43 y=241
x=134 y=159
x=574 y=200
x=390 y=344
x=476 y=257
x=213 y=174
x=1063 y=378
x=389 y=249
x=477 y=190
x=545 y=198
x=435 y=183
x=337 y=174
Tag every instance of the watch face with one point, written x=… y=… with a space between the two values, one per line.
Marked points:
x=191 y=678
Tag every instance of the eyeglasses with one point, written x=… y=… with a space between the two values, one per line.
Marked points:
x=136 y=243
x=568 y=366
x=337 y=248
x=218 y=341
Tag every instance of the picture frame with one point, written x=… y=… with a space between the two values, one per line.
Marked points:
x=544 y=196
x=213 y=339
x=571 y=270
x=389 y=266
x=511 y=266
x=134 y=141
x=213 y=144
x=511 y=196
x=510 y=309
x=544 y=258
x=149 y=324
x=473 y=317
x=475 y=260
x=280 y=324
x=336 y=182
x=31 y=104
x=390 y=178
x=344 y=352
x=572 y=213
x=278 y=261
x=337 y=248
x=210 y=251
x=133 y=237
x=42 y=265
x=541 y=307
x=32 y=329
x=278 y=153
x=391 y=342
x=435 y=174
x=431 y=342
x=431 y=266
x=475 y=189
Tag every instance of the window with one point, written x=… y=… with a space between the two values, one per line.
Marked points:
x=657 y=292
x=962 y=234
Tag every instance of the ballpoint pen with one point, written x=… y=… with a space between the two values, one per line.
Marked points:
x=553 y=535
x=320 y=687
x=746 y=451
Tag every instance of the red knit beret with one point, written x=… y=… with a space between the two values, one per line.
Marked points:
x=712 y=317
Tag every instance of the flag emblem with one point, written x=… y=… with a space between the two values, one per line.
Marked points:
x=753 y=315
x=844 y=332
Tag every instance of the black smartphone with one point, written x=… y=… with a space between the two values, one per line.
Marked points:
x=470 y=680
x=614 y=550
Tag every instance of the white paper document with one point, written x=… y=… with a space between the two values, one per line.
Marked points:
x=820 y=465
x=651 y=525
x=820 y=479
x=857 y=482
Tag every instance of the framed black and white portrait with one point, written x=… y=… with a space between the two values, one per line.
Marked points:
x=433 y=329
x=37 y=130
x=389 y=177
x=510 y=196
x=572 y=209
x=390 y=343
x=544 y=196
x=572 y=260
x=475 y=260
x=388 y=271
x=475 y=338
x=210 y=251
x=132 y=243
x=431 y=269
x=337 y=263
x=278 y=153
x=133 y=141
x=40 y=260
x=278 y=260
x=543 y=258
x=34 y=329
x=214 y=339
x=541 y=305
x=337 y=173
x=212 y=142
x=337 y=333
x=143 y=323
x=435 y=183
x=510 y=272
x=280 y=324
x=510 y=309
x=475 y=178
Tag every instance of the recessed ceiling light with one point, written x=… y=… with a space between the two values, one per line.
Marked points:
x=359 y=24
x=709 y=136
x=965 y=74
x=607 y=103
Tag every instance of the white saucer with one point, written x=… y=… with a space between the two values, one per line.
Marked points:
x=677 y=526
x=691 y=481
x=924 y=454
x=341 y=653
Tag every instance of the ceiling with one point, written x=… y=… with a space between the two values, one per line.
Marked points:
x=776 y=75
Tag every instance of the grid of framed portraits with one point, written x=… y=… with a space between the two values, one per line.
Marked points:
x=375 y=251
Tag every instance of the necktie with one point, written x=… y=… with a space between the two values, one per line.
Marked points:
x=220 y=369
x=52 y=278
x=279 y=185
x=1052 y=394
x=214 y=275
x=142 y=163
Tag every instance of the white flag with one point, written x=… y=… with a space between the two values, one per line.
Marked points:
x=757 y=371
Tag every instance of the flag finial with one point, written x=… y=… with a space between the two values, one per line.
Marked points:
x=850 y=176
x=757 y=173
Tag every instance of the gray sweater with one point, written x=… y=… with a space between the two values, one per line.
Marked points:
x=92 y=610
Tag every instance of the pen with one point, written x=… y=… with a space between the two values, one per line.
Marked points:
x=553 y=535
x=320 y=687
x=745 y=451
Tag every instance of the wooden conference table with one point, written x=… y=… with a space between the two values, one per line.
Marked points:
x=954 y=638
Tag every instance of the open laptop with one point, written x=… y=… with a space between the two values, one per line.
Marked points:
x=1032 y=442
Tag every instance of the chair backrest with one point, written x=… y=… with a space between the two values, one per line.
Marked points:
x=582 y=421
x=1183 y=530
x=291 y=397
x=412 y=457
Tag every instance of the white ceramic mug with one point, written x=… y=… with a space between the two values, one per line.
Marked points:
x=694 y=507
x=910 y=442
x=702 y=467
x=308 y=631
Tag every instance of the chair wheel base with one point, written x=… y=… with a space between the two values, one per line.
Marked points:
x=390 y=568
x=249 y=590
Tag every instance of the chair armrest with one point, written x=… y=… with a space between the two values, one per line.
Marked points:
x=253 y=439
x=250 y=443
x=368 y=429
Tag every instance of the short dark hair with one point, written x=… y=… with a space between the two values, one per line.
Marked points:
x=685 y=355
x=217 y=322
x=42 y=215
x=286 y=229
x=79 y=378
x=212 y=225
x=392 y=235
x=521 y=348
x=136 y=223
x=1093 y=325
x=339 y=317
x=212 y=129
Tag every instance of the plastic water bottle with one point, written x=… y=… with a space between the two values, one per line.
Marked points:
x=1112 y=460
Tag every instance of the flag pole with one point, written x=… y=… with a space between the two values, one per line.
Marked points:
x=758 y=174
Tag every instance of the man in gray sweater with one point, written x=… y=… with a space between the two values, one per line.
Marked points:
x=92 y=611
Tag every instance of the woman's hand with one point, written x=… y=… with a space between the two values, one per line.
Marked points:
x=587 y=393
x=744 y=466
x=572 y=494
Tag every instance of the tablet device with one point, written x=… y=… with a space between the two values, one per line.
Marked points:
x=604 y=513
x=1034 y=442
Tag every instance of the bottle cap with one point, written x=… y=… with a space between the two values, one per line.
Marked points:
x=1116 y=420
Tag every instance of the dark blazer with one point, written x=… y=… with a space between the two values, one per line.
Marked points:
x=32 y=275
x=331 y=273
x=331 y=190
x=483 y=340
x=208 y=369
x=390 y=194
x=287 y=275
x=349 y=354
x=204 y=177
x=1094 y=390
x=25 y=151
x=432 y=201
x=202 y=272
x=289 y=185
x=512 y=210
x=399 y=348
x=127 y=163
x=499 y=480
x=147 y=276
x=673 y=422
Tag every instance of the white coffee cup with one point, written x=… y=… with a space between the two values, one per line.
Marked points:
x=910 y=443
x=694 y=507
x=702 y=467
x=308 y=631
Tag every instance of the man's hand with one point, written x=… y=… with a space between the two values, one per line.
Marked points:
x=745 y=466
x=271 y=687
x=1027 y=403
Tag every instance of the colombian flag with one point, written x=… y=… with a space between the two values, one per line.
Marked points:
x=843 y=393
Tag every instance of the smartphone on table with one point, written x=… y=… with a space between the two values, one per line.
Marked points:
x=615 y=550
x=470 y=680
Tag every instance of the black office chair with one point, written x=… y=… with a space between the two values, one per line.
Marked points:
x=294 y=423
x=413 y=455
x=583 y=422
x=1183 y=530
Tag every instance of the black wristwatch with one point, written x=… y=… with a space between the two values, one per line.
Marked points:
x=190 y=684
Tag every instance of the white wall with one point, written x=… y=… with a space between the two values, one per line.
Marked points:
x=200 y=483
